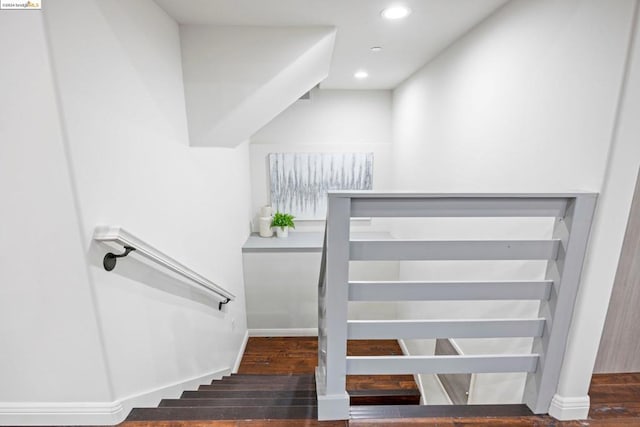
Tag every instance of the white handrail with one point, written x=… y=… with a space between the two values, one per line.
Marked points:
x=119 y=236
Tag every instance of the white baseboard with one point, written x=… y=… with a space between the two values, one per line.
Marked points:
x=57 y=413
x=569 y=408
x=95 y=413
x=287 y=332
x=243 y=347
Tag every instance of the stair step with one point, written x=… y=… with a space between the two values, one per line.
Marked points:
x=263 y=401
x=261 y=379
x=384 y=397
x=432 y=411
x=223 y=413
x=270 y=376
x=212 y=394
x=257 y=386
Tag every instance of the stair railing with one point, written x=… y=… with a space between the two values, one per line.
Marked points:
x=564 y=254
x=119 y=237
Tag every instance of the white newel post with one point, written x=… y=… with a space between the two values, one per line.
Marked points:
x=573 y=231
x=333 y=400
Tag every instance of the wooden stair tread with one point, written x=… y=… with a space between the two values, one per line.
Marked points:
x=397 y=392
x=384 y=397
x=233 y=401
x=257 y=387
x=211 y=394
x=432 y=411
x=223 y=413
x=285 y=380
x=309 y=376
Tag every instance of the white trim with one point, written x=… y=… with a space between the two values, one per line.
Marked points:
x=39 y=413
x=284 y=332
x=569 y=408
x=151 y=398
x=331 y=406
x=94 y=413
x=243 y=346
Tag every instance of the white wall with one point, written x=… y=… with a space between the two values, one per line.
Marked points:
x=51 y=353
x=282 y=291
x=117 y=65
x=608 y=231
x=525 y=102
x=332 y=121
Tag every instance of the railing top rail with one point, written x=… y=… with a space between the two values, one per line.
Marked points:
x=400 y=194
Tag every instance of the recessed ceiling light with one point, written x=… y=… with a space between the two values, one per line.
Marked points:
x=395 y=12
x=376 y=48
x=361 y=74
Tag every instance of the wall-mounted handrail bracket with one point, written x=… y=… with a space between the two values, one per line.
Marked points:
x=110 y=259
x=221 y=303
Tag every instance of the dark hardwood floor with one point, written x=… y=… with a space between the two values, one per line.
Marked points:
x=615 y=398
x=299 y=355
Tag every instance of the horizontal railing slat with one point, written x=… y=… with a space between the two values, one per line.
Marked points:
x=458 y=207
x=393 y=365
x=449 y=291
x=427 y=329
x=414 y=250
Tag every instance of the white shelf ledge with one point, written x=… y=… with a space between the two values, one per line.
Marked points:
x=300 y=241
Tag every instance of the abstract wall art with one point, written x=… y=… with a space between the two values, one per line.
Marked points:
x=300 y=181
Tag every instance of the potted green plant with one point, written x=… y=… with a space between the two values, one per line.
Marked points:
x=282 y=222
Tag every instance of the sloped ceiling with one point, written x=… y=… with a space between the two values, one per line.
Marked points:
x=237 y=79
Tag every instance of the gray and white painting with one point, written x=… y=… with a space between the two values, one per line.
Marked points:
x=300 y=181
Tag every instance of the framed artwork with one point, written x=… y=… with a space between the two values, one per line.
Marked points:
x=299 y=181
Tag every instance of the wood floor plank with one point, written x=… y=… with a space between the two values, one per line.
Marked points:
x=616 y=379
x=299 y=355
x=615 y=393
x=615 y=409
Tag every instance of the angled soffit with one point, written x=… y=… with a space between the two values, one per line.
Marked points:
x=238 y=78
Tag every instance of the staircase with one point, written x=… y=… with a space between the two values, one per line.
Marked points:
x=264 y=397
x=239 y=397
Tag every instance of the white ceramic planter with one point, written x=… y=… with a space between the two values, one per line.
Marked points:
x=282 y=233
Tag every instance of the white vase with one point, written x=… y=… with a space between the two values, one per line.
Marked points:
x=282 y=232
x=266 y=211
x=265 y=226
